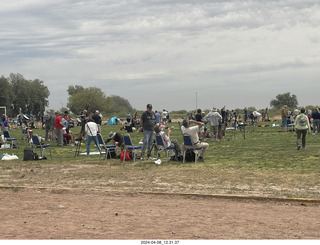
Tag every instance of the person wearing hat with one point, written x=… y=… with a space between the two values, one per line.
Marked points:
x=214 y=118
x=147 y=122
x=117 y=140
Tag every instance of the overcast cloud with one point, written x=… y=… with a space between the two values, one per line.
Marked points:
x=173 y=54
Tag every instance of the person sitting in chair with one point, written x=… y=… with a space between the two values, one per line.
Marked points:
x=159 y=130
x=117 y=140
x=193 y=133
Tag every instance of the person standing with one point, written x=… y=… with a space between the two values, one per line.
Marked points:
x=199 y=118
x=164 y=116
x=97 y=119
x=302 y=127
x=48 y=121
x=92 y=130
x=316 y=120
x=147 y=122
x=214 y=118
x=245 y=111
x=284 y=118
x=158 y=117
x=67 y=118
x=59 y=128
x=84 y=118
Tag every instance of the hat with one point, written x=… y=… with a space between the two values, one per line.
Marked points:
x=149 y=106
x=97 y=111
x=111 y=135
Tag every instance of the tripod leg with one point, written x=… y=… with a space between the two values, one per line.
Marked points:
x=77 y=149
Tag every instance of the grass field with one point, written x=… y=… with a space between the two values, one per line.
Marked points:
x=265 y=163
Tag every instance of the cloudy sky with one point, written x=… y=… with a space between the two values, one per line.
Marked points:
x=174 y=54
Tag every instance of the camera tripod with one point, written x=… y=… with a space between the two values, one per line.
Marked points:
x=154 y=145
x=78 y=145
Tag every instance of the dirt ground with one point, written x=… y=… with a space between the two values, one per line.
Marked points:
x=76 y=214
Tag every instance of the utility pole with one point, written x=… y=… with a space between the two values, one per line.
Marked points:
x=196 y=100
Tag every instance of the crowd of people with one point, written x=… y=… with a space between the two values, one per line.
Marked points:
x=304 y=122
x=200 y=126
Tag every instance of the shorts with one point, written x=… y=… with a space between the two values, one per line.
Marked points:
x=214 y=129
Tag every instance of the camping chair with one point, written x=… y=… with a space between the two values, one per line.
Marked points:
x=190 y=147
x=108 y=148
x=161 y=146
x=8 y=138
x=129 y=147
x=38 y=145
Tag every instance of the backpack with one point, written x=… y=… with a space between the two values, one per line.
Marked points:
x=302 y=120
x=113 y=154
x=127 y=156
x=190 y=156
x=28 y=154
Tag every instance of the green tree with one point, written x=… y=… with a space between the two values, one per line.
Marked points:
x=29 y=96
x=284 y=99
x=251 y=109
x=74 y=89
x=7 y=95
x=89 y=99
x=120 y=105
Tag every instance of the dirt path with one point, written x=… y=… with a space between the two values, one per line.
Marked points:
x=61 y=214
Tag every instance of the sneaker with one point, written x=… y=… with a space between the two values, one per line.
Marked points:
x=152 y=158
x=298 y=147
x=200 y=159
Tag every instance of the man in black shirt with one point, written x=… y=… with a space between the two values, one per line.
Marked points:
x=117 y=140
x=97 y=119
x=147 y=122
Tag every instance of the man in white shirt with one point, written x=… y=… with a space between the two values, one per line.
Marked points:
x=193 y=133
x=214 y=119
x=91 y=129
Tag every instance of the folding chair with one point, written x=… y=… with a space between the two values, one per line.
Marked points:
x=8 y=138
x=108 y=148
x=129 y=147
x=161 y=146
x=37 y=145
x=190 y=147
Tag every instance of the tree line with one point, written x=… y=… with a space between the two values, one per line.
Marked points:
x=31 y=97
x=21 y=95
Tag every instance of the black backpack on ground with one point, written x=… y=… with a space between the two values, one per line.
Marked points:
x=190 y=156
x=28 y=154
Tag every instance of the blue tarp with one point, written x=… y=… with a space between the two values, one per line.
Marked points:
x=112 y=121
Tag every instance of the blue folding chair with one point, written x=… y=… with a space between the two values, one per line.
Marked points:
x=8 y=138
x=161 y=146
x=190 y=147
x=108 y=148
x=38 y=145
x=129 y=147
